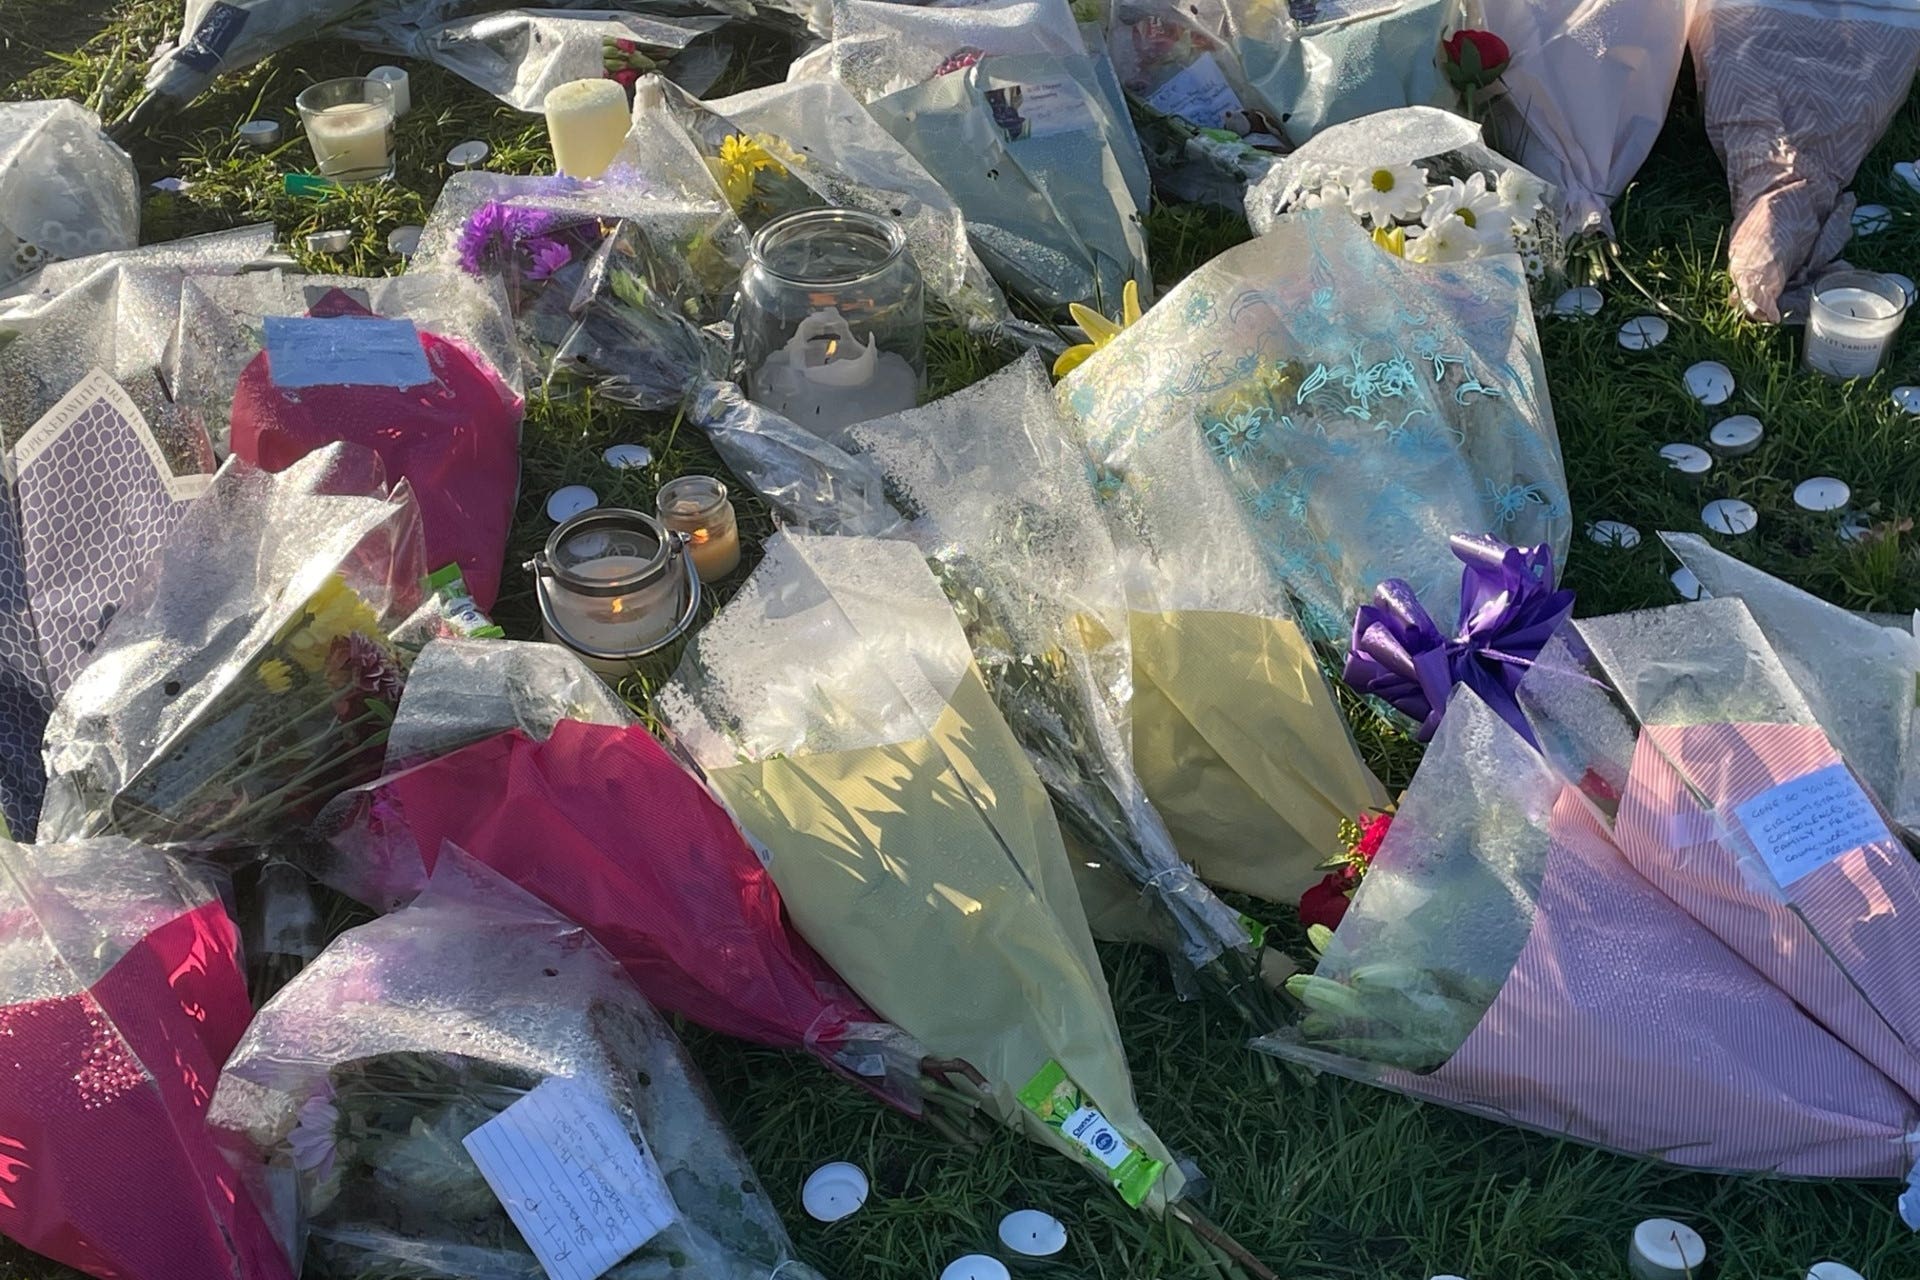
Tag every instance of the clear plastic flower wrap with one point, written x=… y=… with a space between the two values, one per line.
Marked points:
x=1740 y=809
x=1004 y=106
x=1586 y=93
x=353 y=1102
x=835 y=707
x=1425 y=184
x=519 y=54
x=1504 y=957
x=610 y=283
x=808 y=144
x=121 y=994
x=1795 y=93
x=66 y=191
x=1364 y=409
x=249 y=676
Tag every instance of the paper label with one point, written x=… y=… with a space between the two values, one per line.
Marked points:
x=1038 y=110
x=568 y=1173
x=211 y=39
x=1802 y=825
x=358 y=351
x=1102 y=1141
x=1058 y=1102
x=1200 y=94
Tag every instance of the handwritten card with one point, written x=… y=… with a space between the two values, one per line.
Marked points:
x=1802 y=825
x=334 y=351
x=1199 y=94
x=572 y=1179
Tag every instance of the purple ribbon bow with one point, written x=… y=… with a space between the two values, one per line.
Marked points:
x=1508 y=610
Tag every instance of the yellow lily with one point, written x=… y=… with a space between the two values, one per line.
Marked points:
x=1393 y=240
x=1099 y=329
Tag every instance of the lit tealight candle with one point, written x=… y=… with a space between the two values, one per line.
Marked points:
x=587 y=120
x=697 y=506
x=826 y=379
x=1666 y=1250
x=1852 y=323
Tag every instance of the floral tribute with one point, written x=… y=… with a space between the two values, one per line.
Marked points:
x=1325 y=904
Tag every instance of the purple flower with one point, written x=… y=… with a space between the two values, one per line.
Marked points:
x=545 y=256
x=499 y=235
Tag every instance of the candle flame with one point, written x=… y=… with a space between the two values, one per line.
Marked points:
x=698 y=536
x=617 y=605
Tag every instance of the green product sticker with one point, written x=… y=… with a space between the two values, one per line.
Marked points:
x=463 y=615
x=1057 y=1100
x=1256 y=932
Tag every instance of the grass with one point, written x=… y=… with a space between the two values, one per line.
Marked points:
x=1323 y=1179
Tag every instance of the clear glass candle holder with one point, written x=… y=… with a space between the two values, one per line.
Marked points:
x=830 y=326
x=1852 y=322
x=614 y=585
x=697 y=507
x=349 y=124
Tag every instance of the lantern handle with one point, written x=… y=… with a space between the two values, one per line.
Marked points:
x=680 y=628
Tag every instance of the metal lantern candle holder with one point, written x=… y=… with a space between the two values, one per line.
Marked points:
x=831 y=327
x=615 y=585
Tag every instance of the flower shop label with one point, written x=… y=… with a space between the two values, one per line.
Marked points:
x=1802 y=825
x=345 y=351
x=570 y=1176
x=1059 y=1103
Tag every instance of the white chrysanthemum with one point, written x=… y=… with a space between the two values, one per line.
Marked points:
x=1521 y=192
x=1387 y=193
x=1333 y=198
x=1448 y=240
x=1479 y=210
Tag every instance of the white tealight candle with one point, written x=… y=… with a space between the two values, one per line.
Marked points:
x=352 y=139
x=1687 y=459
x=570 y=501
x=587 y=120
x=1730 y=515
x=1033 y=1234
x=834 y=1191
x=1822 y=493
x=1613 y=533
x=1871 y=219
x=1852 y=323
x=976 y=1266
x=1666 y=1250
x=1643 y=333
x=1833 y=1271
x=1710 y=382
x=1737 y=436
x=1584 y=301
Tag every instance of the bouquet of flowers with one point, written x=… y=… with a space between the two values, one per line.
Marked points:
x=437 y=1077
x=611 y=286
x=684 y=906
x=810 y=143
x=250 y=677
x=1504 y=956
x=1362 y=409
x=121 y=994
x=1422 y=183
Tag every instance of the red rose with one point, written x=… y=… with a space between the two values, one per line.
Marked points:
x=1373 y=835
x=1489 y=56
x=1326 y=903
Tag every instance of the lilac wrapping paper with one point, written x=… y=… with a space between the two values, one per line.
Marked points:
x=1508 y=611
x=90 y=497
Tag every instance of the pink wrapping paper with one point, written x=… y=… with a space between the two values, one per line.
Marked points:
x=106 y=1163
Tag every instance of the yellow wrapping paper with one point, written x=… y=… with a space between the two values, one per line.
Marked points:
x=1242 y=749
x=931 y=874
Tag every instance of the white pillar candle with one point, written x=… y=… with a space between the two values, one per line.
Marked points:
x=1852 y=323
x=352 y=139
x=1666 y=1250
x=587 y=120
x=395 y=78
x=825 y=379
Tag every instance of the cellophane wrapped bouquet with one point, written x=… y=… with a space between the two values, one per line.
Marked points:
x=66 y=191
x=121 y=994
x=837 y=711
x=364 y=1098
x=610 y=283
x=1004 y=105
x=1363 y=409
x=1425 y=186
x=810 y=144
x=515 y=748
x=250 y=676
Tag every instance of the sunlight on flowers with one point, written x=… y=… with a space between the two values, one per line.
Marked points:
x=1099 y=330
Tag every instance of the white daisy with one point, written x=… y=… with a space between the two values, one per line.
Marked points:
x=1388 y=192
x=1478 y=209
x=1333 y=198
x=1521 y=192
x=1448 y=240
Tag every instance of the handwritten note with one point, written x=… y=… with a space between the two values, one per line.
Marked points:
x=358 y=351
x=572 y=1179
x=1199 y=94
x=1802 y=825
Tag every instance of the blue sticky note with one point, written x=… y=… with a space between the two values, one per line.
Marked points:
x=337 y=351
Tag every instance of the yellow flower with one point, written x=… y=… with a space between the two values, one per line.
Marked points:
x=334 y=611
x=741 y=157
x=1393 y=240
x=1100 y=329
x=276 y=675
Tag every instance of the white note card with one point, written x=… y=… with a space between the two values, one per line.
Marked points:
x=1802 y=825
x=570 y=1176
x=356 y=351
x=1199 y=94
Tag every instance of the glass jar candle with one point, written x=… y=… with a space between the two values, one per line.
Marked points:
x=614 y=586
x=830 y=327
x=697 y=507
x=1852 y=323
x=349 y=124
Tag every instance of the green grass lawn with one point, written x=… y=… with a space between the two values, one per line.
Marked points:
x=1319 y=1178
